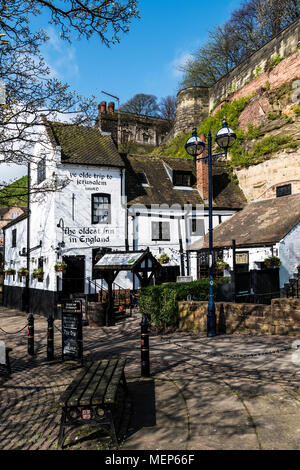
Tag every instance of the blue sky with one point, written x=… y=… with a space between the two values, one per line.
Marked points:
x=146 y=59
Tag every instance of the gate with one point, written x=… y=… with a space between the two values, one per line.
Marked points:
x=257 y=286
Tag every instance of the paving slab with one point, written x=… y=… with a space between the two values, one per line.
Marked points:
x=228 y=392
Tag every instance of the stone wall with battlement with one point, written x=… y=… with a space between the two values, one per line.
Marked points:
x=195 y=103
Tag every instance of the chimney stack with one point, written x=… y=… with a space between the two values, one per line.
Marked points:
x=111 y=107
x=202 y=173
x=102 y=107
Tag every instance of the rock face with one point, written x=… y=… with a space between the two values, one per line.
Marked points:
x=260 y=181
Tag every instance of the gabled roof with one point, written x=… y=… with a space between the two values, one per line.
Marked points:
x=82 y=145
x=226 y=194
x=5 y=209
x=260 y=223
x=17 y=219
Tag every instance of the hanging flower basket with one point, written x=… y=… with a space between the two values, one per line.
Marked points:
x=222 y=266
x=10 y=272
x=60 y=267
x=272 y=262
x=38 y=274
x=163 y=259
x=23 y=272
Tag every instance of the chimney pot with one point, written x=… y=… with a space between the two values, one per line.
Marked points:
x=111 y=107
x=102 y=107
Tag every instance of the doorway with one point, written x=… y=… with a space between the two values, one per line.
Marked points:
x=73 y=277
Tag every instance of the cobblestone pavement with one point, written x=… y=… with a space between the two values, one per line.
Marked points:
x=228 y=392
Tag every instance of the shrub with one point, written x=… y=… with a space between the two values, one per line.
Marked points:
x=160 y=303
x=257 y=71
x=276 y=59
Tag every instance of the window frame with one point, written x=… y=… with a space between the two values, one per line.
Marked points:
x=181 y=175
x=160 y=231
x=285 y=186
x=41 y=170
x=14 y=238
x=93 y=197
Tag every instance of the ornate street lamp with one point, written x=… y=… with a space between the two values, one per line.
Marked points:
x=225 y=138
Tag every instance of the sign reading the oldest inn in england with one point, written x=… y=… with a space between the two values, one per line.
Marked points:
x=105 y=202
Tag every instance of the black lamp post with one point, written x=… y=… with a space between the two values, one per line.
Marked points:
x=225 y=138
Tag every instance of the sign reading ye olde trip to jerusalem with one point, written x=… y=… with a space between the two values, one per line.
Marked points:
x=90 y=181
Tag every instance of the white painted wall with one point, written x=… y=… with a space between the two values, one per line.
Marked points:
x=71 y=207
x=289 y=253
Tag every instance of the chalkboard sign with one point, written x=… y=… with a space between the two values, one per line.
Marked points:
x=72 y=329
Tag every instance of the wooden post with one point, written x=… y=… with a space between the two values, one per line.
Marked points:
x=234 y=269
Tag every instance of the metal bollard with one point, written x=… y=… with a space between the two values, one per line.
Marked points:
x=50 y=340
x=145 y=361
x=31 y=335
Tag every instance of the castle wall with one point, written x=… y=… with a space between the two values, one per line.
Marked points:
x=192 y=108
x=285 y=44
x=195 y=103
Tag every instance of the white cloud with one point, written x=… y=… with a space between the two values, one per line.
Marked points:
x=60 y=57
x=179 y=60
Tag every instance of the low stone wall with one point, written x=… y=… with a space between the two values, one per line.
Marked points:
x=282 y=317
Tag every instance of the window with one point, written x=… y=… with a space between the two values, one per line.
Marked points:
x=101 y=209
x=182 y=179
x=14 y=238
x=160 y=231
x=41 y=170
x=285 y=190
x=141 y=178
x=197 y=227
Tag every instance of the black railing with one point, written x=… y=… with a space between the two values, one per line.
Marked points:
x=292 y=289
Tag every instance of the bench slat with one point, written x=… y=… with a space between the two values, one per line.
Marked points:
x=98 y=398
x=71 y=388
x=74 y=399
x=112 y=388
x=87 y=397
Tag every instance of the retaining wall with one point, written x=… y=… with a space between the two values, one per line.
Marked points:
x=282 y=317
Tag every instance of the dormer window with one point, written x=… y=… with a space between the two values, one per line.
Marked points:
x=181 y=178
x=142 y=179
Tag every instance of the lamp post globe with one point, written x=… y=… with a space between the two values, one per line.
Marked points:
x=225 y=137
x=194 y=146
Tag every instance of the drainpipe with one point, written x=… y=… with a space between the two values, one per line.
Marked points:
x=124 y=205
x=28 y=240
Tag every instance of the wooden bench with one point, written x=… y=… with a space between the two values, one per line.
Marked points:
x=90 y=399
x=4 y=361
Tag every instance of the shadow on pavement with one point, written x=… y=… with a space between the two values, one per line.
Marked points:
x=142 y=394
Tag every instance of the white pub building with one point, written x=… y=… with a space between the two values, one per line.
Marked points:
x=87 y=199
